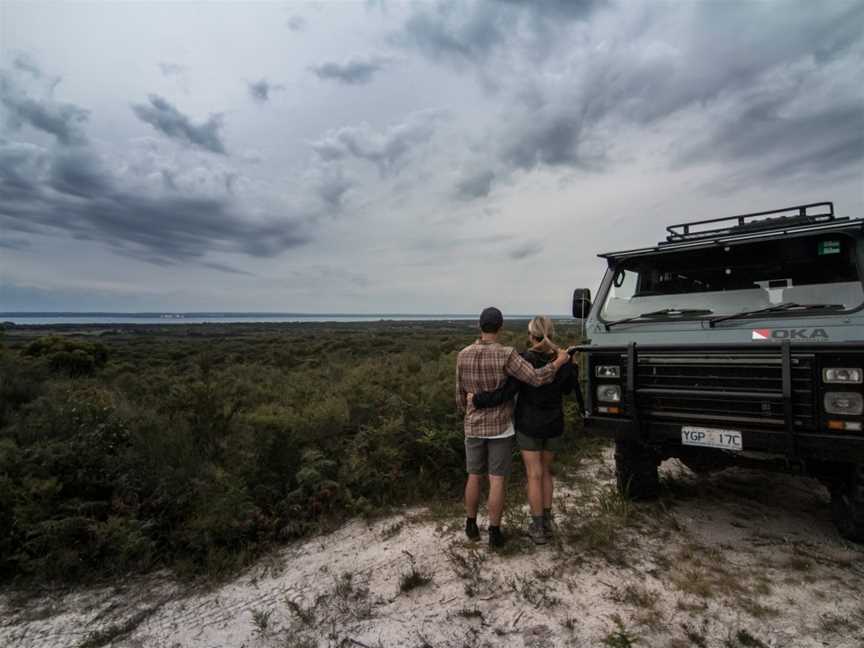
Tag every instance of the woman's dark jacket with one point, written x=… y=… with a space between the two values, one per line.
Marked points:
x=538 y=410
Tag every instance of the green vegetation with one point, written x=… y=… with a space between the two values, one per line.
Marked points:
x=413 y=577
x=620 y=637
x=198 y=447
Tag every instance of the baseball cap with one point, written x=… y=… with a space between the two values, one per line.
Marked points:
x=491 y=320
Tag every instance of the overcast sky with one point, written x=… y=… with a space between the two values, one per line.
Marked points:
x=401 y=157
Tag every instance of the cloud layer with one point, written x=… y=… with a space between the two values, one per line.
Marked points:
x=409 y=137
x=572 y=80
x=168 y=120
x=357 y=70
x=67 y=188
x=384 y=148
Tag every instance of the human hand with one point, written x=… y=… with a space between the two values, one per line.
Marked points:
x=562 y=358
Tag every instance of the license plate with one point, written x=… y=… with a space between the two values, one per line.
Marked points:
x=711 y=437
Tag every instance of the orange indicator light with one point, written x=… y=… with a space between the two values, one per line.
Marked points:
x=851 y=426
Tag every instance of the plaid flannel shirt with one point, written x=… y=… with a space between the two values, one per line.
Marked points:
x=484 y=366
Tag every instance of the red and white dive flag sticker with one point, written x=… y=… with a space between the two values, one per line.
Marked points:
x=761 y=334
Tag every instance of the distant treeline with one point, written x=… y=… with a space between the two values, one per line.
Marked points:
x=199 y=451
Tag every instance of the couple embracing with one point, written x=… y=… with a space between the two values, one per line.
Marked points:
x=488 y=378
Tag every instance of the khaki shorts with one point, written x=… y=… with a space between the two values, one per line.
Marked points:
x=488 y=456
x=535 y=444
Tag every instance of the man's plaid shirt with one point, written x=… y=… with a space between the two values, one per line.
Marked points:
x=484 y=366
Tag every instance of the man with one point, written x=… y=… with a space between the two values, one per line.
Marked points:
x=484 y=366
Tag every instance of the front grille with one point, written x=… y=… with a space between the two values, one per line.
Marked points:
x=724 y=387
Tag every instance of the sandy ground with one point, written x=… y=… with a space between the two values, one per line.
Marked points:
x=739 y=558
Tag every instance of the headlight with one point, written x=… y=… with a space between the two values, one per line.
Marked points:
x=607 y=371
x=609 y=393
x=849 y=403
x=841 y=375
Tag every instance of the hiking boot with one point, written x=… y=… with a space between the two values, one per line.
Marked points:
x=537 y=533
x=496 y=538
x=471 y=530
x=548 y=525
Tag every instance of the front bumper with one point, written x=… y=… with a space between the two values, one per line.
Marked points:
x=666 y=437
x=771 y=393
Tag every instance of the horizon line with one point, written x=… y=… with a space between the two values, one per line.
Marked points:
x=236 y=314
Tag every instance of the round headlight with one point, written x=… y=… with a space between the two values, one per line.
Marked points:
x=609 y=393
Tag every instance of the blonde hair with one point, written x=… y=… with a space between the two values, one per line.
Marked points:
x=541 y=331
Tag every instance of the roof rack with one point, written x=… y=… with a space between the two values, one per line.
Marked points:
x=789 y=216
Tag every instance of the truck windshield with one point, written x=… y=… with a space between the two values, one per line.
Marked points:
x=726 y=280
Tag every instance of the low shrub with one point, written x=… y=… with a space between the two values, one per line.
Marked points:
x=69 y=356
x=197 y=452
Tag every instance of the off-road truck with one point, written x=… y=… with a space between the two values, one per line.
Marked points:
x=736 y=341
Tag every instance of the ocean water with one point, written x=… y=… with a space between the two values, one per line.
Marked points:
x=218 y=318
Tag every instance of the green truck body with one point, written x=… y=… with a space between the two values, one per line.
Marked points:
x=736 y=341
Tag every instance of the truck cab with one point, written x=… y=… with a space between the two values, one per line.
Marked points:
x=735 y=341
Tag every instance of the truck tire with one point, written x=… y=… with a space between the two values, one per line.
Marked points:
x=847 y=506
x=636 y=470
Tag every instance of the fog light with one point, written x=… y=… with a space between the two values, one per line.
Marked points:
x=841 y=375
x=608 y=410
x=607 y=371
x=849 y=403
x=609 y=393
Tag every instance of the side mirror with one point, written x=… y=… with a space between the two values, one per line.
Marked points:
x=581 y=303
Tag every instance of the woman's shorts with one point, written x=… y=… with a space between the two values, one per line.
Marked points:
x=535 y=444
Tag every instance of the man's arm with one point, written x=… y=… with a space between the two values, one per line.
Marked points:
x=568 y=378
x=523 y=371
x=504 y=393
x=460 y=392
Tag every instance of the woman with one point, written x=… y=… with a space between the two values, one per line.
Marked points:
x=539 y=422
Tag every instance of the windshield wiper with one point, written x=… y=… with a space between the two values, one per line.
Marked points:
x=657 y=313
x=771 y=309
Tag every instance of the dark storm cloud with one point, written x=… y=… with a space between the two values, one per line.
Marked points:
x=383 y=148
x=70 y=192
x=647 y=66
x=14 y=244
x=79 y=174
x=62 y=120
x=837 y=157
x=23 y=62
x=525 y=250
x=20 y=166
x=352 y=71
x=432 y=32
x=471 y=32
x=332 y=185
x=825 y=140
x=260 y=90
x=171 y=69
x=477 y=185
x=551 y=140
x=221 y=267
x=169 y=179
x=570 y=9
x=165 y=118
x=296 y=23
